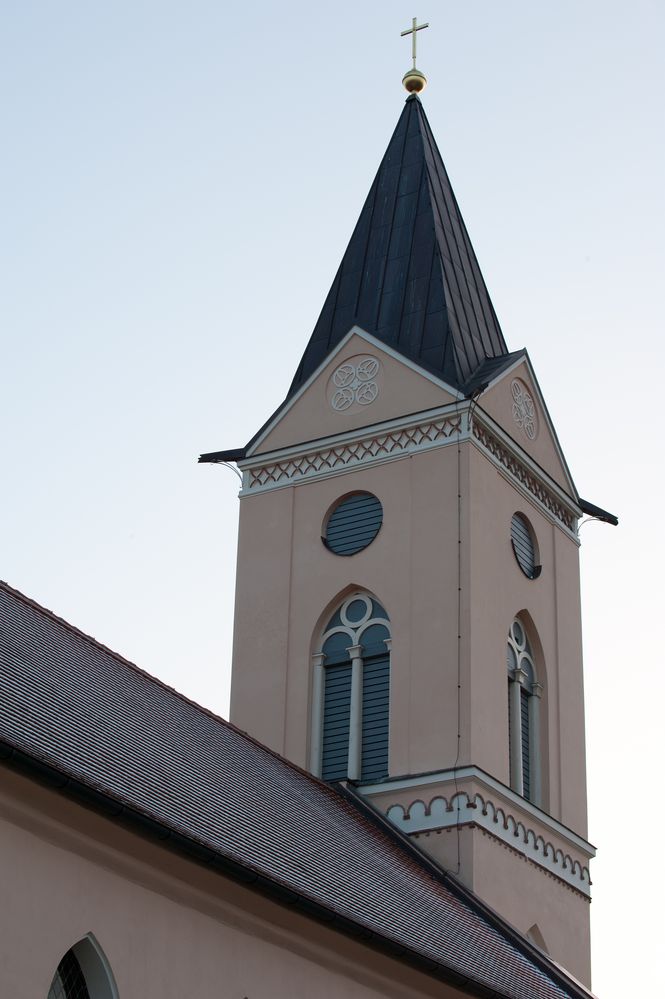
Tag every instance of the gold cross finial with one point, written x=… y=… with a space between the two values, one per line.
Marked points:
x=412 y=31
x=414 y=80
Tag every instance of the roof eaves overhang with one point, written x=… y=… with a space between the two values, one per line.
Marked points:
x=491 y=371
x=234 y=454
x=143 y=824
x=597 y=513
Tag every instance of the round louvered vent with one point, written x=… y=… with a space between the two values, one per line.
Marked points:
x=524 y=545
x=353 y=524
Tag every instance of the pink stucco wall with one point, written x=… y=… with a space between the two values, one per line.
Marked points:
x=442 y=566
x=493 y=870
x=289 y=582
x=169 y=928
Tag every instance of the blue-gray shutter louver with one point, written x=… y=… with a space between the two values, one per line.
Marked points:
x=336 y=719
x=360 y=621
x=523 y=546
x=353 y=524
x=376 y=690
x=526 y=760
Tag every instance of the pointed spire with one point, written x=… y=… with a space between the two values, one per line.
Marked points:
x=409 y=275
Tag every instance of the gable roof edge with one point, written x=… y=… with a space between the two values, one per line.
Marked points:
x=523 y=356
x=376 y=344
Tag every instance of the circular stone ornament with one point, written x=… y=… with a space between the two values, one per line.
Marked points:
x=355 y=383
x=524 y=409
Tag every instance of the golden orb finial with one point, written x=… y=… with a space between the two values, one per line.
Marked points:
x=414 y=81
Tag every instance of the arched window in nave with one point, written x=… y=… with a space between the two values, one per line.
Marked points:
x=68 y=981
x=352 y=693
x=524 y=693
x=83 y=973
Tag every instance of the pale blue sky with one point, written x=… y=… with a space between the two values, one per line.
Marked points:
x=178 y=183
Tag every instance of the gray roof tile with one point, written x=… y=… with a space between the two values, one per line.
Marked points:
x=72 y=704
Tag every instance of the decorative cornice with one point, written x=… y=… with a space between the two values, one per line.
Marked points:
x=437 y=428
x=464 y=809
x=508 y=458
x=370 y=449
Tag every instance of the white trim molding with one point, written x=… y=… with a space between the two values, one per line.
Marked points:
x=353 y=630
x=492 y=807
x=375 y=447
x=524 y=473
x=450 y=424
x=524 y=359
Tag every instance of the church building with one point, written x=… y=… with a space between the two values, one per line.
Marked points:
x=397 y=806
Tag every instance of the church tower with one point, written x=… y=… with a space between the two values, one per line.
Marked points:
x=408 y=603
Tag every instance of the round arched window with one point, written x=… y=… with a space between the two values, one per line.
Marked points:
x=353 y=524
x=524 y=545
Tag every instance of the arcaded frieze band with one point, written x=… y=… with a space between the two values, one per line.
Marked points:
x=463 y=809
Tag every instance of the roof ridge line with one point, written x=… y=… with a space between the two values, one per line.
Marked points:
x=468 y=245
x=160 y=683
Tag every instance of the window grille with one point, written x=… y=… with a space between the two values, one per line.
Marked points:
x=350 y=724
x=69 y=982
x=523 y=715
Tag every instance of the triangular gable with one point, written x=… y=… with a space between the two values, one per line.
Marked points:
x=514 y=399
x=361 y=382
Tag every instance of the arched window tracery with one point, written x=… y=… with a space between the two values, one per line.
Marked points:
x=351 y=693
x=524 y=694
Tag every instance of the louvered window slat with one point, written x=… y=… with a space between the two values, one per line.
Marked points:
x=336 y=719
x=353 y=524
x=510 y=739
x=524 y=708
x=361 y=622
x=376 y=688
x=522 y=715
x=524 y=546
x=362 y=519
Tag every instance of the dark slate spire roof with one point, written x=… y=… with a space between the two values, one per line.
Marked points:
x=409 y=275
